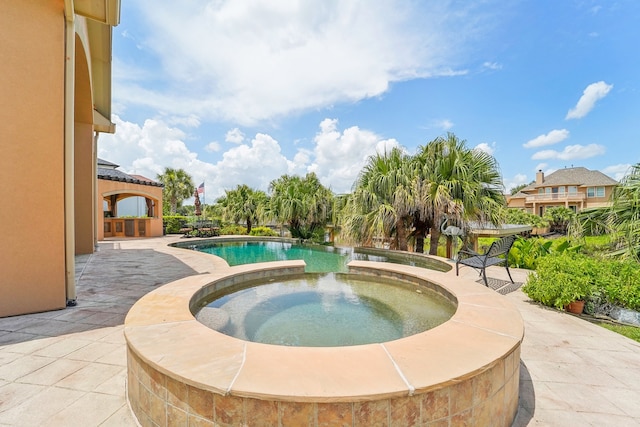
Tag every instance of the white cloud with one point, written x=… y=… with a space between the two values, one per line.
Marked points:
x=255 y=165
x=213 y=147
x=258 y=60
x=188 y=121
x=618 y=171
x=492 y=65
x=146 y=150
x=551 y=138
x=517 y=180
x=235 y=135
x=486 y=147
x=542 y=167
x=336 y=158
x=587 y=101
x=339 y=156
x=445 y=124
x=571 y=152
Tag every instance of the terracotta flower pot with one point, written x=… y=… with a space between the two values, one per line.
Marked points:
x=575 y=307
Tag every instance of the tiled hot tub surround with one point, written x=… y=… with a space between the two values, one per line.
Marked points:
x=463 y=372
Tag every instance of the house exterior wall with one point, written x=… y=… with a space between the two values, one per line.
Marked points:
x=534 y=201
x=32 y=79
x=84 y=183
x=47 y=167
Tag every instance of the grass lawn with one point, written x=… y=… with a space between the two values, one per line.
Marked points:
x=628 y=331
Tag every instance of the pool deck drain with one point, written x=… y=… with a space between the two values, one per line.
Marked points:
x=68 y=367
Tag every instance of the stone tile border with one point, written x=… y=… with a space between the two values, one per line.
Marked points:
x=463 y=372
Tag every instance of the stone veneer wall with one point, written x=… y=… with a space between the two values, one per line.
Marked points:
x=489 y=397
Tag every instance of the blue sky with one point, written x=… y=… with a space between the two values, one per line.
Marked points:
x=243 y=92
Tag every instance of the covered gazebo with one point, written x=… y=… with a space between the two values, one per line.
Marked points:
x=115 y=186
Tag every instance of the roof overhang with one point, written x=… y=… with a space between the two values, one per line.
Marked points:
x=101 y=16
x=104 y=11
x=102 y=124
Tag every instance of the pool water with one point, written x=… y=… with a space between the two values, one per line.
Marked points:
x=318 y=259
x=328 y=310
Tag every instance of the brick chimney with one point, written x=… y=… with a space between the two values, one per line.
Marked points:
x=539 y=176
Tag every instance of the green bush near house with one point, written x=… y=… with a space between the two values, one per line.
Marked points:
x=229 y=230
x=173 y=223
x=525 y=253
x=263 y=231
x=561 y=278
x=620 y=283
x=518 y=216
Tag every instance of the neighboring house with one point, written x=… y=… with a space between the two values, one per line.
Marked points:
x=55 y=100
x=574 y=188
x=115 y=186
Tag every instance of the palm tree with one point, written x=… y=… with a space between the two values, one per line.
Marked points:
x=459 y=182
x=178 y=186
x=243 y=203
x=382 y=201
x=303 y=203
x=624 y=214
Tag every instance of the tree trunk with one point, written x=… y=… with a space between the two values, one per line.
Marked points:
x=401 y=232
x=435 y=236
x=421 y=228
x=248 y=225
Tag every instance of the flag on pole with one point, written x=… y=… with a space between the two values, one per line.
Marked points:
x=201 y=188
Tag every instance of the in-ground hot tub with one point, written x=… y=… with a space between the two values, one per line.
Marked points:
x=464 y=371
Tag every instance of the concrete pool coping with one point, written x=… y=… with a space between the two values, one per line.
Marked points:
x=161 y=330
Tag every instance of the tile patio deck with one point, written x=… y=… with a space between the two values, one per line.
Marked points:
x=68 y=367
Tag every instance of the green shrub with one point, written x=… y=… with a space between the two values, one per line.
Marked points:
x=562 y=278
x=233 y=229
x=173 y=224
x=263 y=231
x=518 y=216
x=525 y=253
x=620 y=283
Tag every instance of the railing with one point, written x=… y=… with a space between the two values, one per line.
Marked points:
x=556 y=197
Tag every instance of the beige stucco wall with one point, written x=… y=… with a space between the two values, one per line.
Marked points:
x=126 y=189
x=31 y=156
x=587 y=202
x=84 y=183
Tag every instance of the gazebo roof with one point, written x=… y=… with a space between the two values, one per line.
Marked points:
x=110 y=174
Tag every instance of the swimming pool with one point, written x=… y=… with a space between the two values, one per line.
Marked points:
x=318 y=258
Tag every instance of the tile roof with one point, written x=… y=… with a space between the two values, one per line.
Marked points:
x=116 y=175
x=579 y=176
x=102 y=162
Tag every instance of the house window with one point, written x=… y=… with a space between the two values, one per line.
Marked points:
x=595 y=192
x=573 y=189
